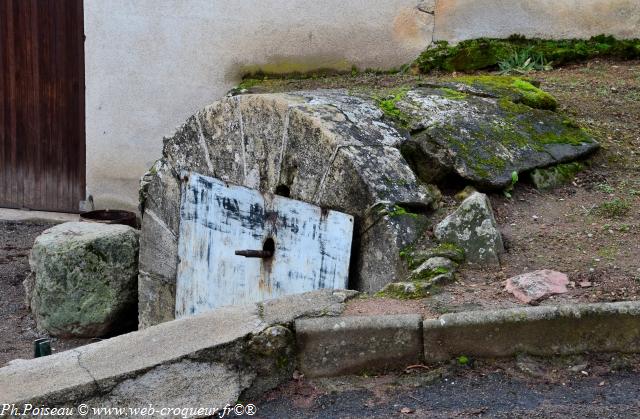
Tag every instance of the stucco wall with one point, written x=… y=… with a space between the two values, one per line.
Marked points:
x=152 y=63
x=457 y=20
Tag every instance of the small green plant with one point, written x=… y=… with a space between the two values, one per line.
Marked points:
x=608 y=252
x=463 y=360
x=509 y=189
x=614 y=208
x=605 y=187
x=524 y=62
x=624 y=228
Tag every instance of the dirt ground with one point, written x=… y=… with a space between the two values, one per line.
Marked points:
x=17 y=327
x=587 y=229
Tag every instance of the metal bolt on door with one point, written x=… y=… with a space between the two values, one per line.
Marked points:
x=240 y=246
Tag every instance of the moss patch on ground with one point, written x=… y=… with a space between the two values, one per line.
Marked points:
x=487 y=53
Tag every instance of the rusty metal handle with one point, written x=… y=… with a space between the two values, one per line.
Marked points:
x=262 y=254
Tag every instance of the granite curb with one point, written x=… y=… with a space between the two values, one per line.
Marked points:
x=335 y=346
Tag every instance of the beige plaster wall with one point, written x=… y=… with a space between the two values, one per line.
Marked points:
x=150 y=64
x=457 y=20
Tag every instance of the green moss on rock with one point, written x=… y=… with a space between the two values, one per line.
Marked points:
x=399 y=210
x=453 y=94
x=514 y=89
x=487 y=53
x=85 y=278
x=448 y=250
x=514 y=130
x=403 y=291
x=429 y=274
x=534 y=97
x=468 y=55
x=415 y=258
x=388 y=105
x=552 y=177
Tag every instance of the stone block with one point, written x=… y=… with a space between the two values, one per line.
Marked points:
x=351 y=345
x=543 y=331
x=85 y=279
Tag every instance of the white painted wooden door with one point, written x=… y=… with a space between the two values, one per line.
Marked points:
x=311 y=246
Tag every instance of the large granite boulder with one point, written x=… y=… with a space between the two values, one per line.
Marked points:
x=473 y=227
x=483 y=129
x=84 y=280
x=326 y=147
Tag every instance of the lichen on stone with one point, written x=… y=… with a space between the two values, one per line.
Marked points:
x=85 y=278
x=472 y=226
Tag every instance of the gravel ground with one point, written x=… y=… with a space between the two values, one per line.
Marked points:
x=17 y=327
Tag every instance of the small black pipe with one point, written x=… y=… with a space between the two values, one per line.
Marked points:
x=262 y=254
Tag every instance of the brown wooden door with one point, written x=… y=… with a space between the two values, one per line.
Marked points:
x=42 y=119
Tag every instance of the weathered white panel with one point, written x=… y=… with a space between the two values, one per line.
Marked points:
x=312 y=246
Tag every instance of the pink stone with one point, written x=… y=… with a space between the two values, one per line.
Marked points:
x=533 y=287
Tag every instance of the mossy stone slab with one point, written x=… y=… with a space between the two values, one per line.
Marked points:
x=486 y=135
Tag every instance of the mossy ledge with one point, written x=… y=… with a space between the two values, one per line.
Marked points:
x=487 y=53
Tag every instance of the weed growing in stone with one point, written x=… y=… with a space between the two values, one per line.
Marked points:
x=509 y=189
